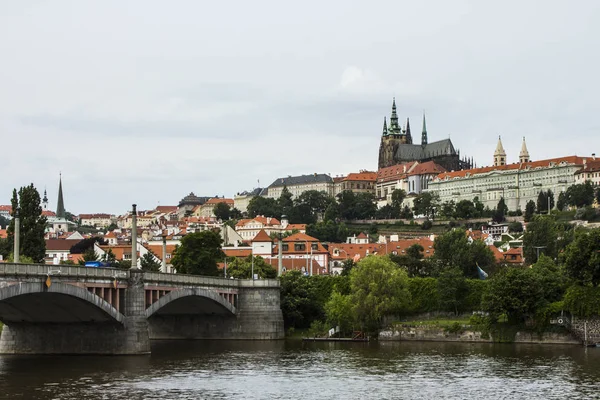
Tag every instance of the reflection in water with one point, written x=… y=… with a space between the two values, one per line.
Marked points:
x=296 y=370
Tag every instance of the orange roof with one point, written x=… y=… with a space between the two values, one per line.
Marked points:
x=300 y=237
x=362 y=236
x=351 y=250
x=425 y=168
x=266 y=221
x=110 y=234
x=291 y=264
x=217 y=200
x=498 y=255
x=590 y=166
x=361 y=176
x=572 y=160
x=300 y=227
x=157 y=249
x=401 y=246
x=395 y=172
x=119 y=250
x=48 y=213
x=166 y=209
x=90 y=216
x=238 y=252
x=6 y=208
x=262 y=237
x=3 y=234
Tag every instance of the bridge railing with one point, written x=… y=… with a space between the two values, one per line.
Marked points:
x=10 y=269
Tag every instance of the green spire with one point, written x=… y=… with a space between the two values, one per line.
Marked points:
x=394 y=119
x=424 y=133
x=60 y=205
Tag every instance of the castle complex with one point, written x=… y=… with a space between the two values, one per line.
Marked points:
x=397 y=147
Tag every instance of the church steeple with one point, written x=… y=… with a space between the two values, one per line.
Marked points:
x=60 y=205
x=408 y=135
x=424 y=133
x=385 y=130
x=395 y=128
x=524 y=154
x=499 y=154
x=45 y=201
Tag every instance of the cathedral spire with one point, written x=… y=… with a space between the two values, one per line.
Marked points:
x=499 y=154
x=385 y=130
x=60 y=205
x=424 y=133
x=408 y=135
x=524 y=154
x=394 y=119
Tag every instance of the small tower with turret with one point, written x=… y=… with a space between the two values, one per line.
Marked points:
x=524 y=154
x=499 y=154
x=45 y=201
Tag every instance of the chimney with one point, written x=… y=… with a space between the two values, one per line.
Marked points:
x=594 y=156
x=284 y=221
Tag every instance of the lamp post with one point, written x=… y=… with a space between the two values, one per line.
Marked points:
x=134 y=236
x=537 y=248
x=17 y=238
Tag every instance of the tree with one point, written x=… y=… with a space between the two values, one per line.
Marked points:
x=222 y=211
x=562 y=201
x=298 y=303
x=550 y=199
x=515 y=227
x=81 y=246
x=415 y=251
x=398 y=196
x=581 y=258
x=378 y=289
x=347 y=203
x=529 y=210
x=89 y=255
x=236 y=214
x=242 y=269
x=365 y=207
x=540 y=237
x=452 y=288
x=580 y=195
x=501 y=210
x=479 y=207
x=285 y=202
x=339 y=312
x=447 y=209
x=465 y=209
x=109 y=257
x=425 y=204
x=148 y=263
x=27 y=204
x=266 y=206
x=516 y=292
x=332 y=212
x=452 y=249
x=199 y=254
x=328 y=231
x=112 y=227
x=4 y=222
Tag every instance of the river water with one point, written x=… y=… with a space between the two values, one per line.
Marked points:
x=296 y=370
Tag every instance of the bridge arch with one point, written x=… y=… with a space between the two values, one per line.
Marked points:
x=191 y=301
x=60 y=303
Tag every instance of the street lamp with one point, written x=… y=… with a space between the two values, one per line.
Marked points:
x=537 y=248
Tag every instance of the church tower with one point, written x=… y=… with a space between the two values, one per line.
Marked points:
x=424 y=133
x=45 y=201
x=60 y=204
x=524 y=154
x=499 y=154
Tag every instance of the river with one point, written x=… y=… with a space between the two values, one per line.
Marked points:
x=295 y=370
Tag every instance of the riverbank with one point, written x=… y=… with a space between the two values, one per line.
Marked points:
x=471 y=334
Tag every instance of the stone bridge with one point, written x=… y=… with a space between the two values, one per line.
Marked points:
x=62 y=309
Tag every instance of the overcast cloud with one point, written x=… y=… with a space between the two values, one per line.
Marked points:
x=145 y=101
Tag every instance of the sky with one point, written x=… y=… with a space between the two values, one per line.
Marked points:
x=146 y=101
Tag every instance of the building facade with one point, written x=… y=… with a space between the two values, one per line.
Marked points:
x=361 y=182
x=300 y=184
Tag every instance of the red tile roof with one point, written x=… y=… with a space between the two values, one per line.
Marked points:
x=300 y=237
x=262 y=237
x=361 y=176
x=590 y=166
x=6 y=208
x=351 y=250
x=572 y=160
x=299 y=227
x=48 y=213
x=166 y=209
x=395 y=172
x=238 y=252
x=425 y=168
x=3 y=234
x=217 y=200
x=266 y=221
x=401 y=246
x=60 y=244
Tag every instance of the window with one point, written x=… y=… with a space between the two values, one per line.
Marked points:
x=285 y=247
x=299 y=247
x=314 y=246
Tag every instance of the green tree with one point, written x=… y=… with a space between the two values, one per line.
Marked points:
x=365 y=207
x=501 y=210
x=266 y=206
x=415 y=251
x=515 y=227
x=332 y=212
x=452 y=249
x=339 y=312
x=347 y=204
x=378 y=289
x=447 y=209
x=540 y=237
x=581 y=258
x=562 y=201
x=516 y=292
x=580 y=195
x=286 y=203
x=89 y=255
x=148 y=263
x=27 y=204
x=235 y=214
x=465 y=209
x=425 y=204
x=199 y=254
x=398 y=197
x=298 y=302
x=112 y=227
x=542 y=202
x=222 y=211
x=4 y=222
x=242 y=269
x=479 y=207
x=529 y=210
x=108 y=257
x=452 y=289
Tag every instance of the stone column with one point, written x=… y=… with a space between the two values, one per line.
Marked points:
x=259 y=311
x=136 y=339
x=134 y=237
x=17 y=237
x=164 y=255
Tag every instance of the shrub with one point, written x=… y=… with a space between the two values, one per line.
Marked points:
x=427 y=224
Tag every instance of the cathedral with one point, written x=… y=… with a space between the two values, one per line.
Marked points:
x=397 y=147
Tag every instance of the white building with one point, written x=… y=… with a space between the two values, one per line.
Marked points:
x=517 y=183
x=241 y=200
x=300 y=184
